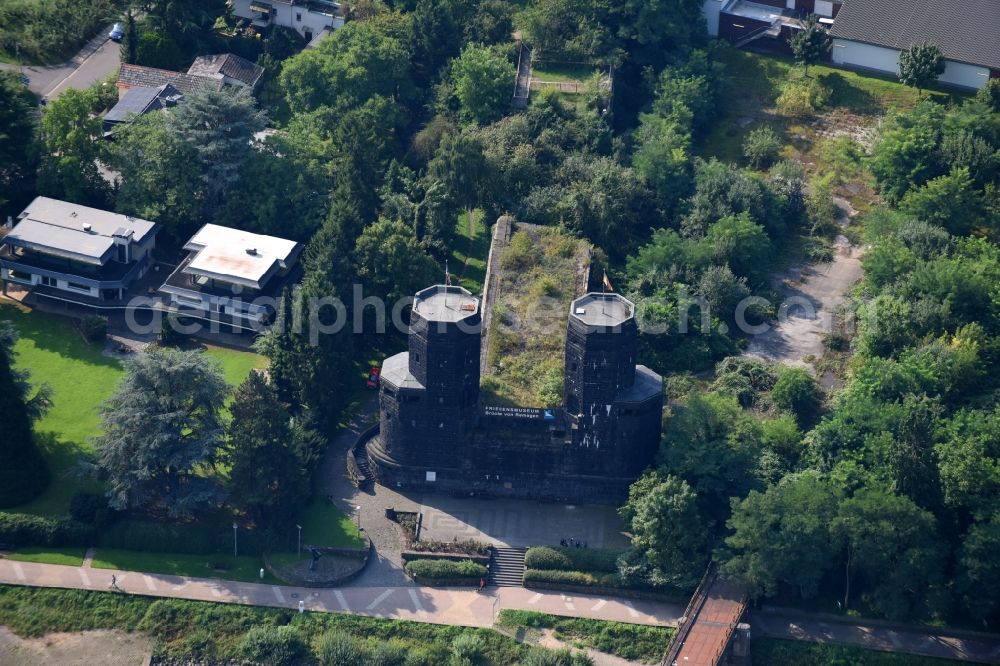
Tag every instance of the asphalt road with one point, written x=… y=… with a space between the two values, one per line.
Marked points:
x=97 y=60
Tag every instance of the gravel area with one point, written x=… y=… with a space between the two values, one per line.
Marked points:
x=108 y=648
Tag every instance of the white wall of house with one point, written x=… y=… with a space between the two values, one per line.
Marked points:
x=297 y=17
x=34 y=279
x=711 y=10
x=879 y=58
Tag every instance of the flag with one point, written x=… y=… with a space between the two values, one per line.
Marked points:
x=607 y=283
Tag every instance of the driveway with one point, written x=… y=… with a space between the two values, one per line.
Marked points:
x=97 y=60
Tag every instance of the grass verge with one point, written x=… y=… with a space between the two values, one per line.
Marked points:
x=244 y=568
x=628 y=641
x=72 y=557
x=471 y=250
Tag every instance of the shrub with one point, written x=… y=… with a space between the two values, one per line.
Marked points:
x=467 y=547
x=802 y=98
x=761 y=147
x=21 y=529
x=85 y=506
x=579 y=559
x=796 y=390
x=94 y=328
x=445 y=569
x=468 y=647
x=273 y=646
x=335 y=648
x=563 y=577
x=180 y=538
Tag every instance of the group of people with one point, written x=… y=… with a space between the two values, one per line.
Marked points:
x=572 y=543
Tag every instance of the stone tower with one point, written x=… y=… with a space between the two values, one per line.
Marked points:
x=613 y=407
x=429 y=397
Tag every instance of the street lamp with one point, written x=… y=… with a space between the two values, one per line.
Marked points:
x=300 y=540
x=357 y=516
x=234 y=539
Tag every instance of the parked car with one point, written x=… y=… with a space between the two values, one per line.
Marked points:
x=373 y=377
x=117 y=32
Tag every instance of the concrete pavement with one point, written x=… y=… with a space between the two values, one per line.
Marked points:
x=453 y=606
x=97 y=60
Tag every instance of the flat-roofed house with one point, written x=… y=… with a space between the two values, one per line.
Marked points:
x=75 y=253
x=232 y=276
x=310 y=18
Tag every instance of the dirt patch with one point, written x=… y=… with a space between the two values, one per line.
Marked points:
x=108 y=648
x=547 y=639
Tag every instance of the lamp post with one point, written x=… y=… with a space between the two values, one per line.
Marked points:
x=300 y=540
x=357 y=516
x=234 y=540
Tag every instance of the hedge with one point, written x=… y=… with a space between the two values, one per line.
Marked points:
x=21 y=529
x=587 y=578
x=572 y=559
x=445 y=569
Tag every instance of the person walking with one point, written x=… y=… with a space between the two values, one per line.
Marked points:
x=482 y=584
x=114 y=583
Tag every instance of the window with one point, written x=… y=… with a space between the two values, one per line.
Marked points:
x=76 y=286
x=19 y=276
x=48 y=281
x=298 y=16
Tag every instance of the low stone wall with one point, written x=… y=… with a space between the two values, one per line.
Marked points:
x=360 y=556
x=409 y=555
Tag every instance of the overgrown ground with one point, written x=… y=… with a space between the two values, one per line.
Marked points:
x=774 y=652
x=212 y=632
x=857 y=101
x=628 y=641
x=471 y=250
x=543 y=270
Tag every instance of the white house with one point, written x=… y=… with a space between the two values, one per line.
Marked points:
x=232 y=276
x=74 y=253
x=310 y=18
x=870 y=34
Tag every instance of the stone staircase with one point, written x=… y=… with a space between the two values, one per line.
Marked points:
x=507 y=567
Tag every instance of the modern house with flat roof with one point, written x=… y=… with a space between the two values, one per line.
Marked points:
x=870 y=34
x=76 y=254
x=232 y=276
x=310 y=18
x=139 y=101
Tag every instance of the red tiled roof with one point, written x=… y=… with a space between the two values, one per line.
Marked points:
x=150 y=77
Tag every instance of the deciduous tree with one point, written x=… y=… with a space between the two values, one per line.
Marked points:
x=484 y=83
x=921 y=65
x=810 y=44
x=17 y=131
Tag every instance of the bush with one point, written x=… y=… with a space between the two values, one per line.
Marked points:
x=153 y=537
x=761 y=147
x=802 y=98
x=19 y=529
x=466 y=547
x=273 y=646
x=563 y=577
x=796 y=390
x=94 y=328
x=468 y=647
x=335 y=648
x=445 y=569
x=84 y=506
x=579 y=559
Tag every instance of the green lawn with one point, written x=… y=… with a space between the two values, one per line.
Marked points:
x=69 y=556
x=562 y=72
x=774 y=652
x=471 y=250
x=81 y=378
x=323 y=524
x=216 y=565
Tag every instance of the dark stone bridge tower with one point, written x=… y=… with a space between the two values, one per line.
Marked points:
x=429 y=398
x=613 y=407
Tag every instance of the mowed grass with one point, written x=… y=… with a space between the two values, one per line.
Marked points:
x=323 y=524
x=215 y=565
x=471 y=249
x=81 y=377
x=72 y=557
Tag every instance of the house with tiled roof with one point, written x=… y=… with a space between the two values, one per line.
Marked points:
x=215 y=71
x=230 y=68
x=870 y=34
x=137 y=76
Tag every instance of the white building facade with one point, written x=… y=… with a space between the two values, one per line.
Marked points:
x=309 y=18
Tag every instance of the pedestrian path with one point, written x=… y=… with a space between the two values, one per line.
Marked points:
x=454 y=606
